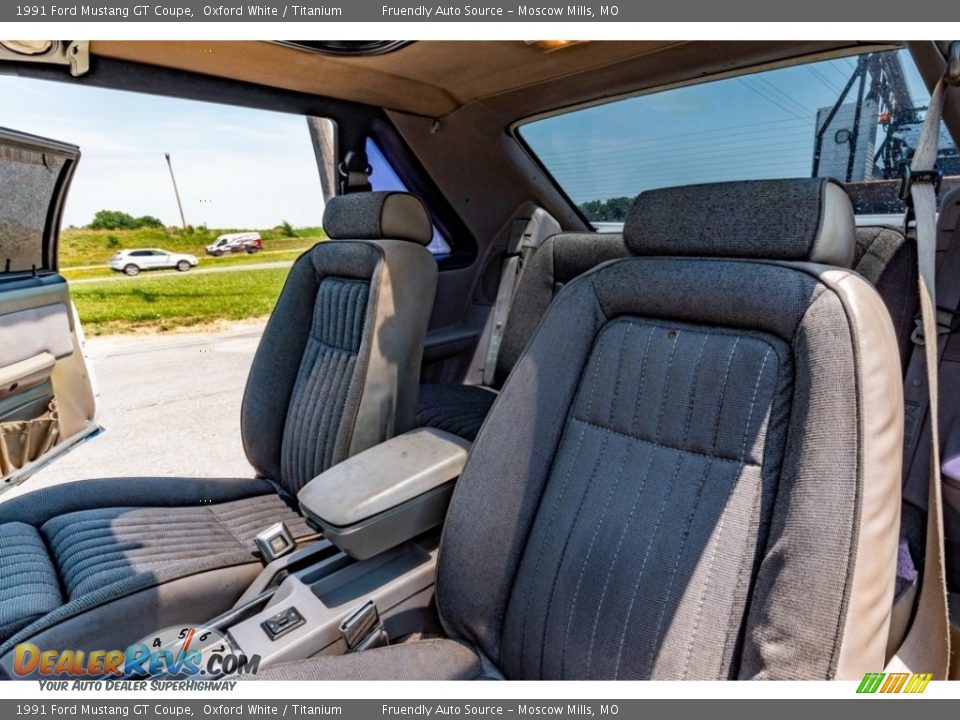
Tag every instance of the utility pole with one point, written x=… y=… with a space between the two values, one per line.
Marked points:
x=176 y=192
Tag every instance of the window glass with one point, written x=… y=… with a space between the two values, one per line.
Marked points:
x=384 y=177
x=857 y=119
x=28 y=181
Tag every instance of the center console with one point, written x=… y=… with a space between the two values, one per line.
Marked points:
x=372 y=575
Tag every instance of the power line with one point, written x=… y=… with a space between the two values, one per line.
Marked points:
x=721 y=130
x=769 y=99
x=743 y=142
x=789 y=99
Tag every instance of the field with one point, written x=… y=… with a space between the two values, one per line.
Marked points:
x=81 y=247
x=165 y=302
x=160 y=301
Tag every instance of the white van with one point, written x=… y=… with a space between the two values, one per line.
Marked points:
x=249 y=242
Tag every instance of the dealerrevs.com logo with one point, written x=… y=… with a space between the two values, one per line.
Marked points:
x=192 y=653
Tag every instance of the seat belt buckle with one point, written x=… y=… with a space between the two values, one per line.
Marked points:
x=943 y=328
x=910 y=177
x=274 y=542
x=363 y=629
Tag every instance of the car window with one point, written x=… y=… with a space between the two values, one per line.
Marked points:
x=28 y=182
x=857 y=119
x=384 y=177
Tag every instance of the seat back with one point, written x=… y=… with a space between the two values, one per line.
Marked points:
x=888 y=261
x=693 y=470
x=338 y=365
x=559 y=260
x=882 y=256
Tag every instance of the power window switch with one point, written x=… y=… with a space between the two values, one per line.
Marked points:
x=283 y=622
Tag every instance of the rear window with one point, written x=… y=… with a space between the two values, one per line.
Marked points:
x=29 y=180
x=856 y=119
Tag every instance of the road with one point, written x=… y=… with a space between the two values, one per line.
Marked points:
x=261 y=253
x=196 y=271
x=170 y=406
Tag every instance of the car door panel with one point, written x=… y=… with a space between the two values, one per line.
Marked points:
x=47 y=396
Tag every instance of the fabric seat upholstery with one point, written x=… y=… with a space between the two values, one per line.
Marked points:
x=435 y=659
x=888 y=261
x=706 y=486
x=461 y=409
x=336 y=372
x=457 y=409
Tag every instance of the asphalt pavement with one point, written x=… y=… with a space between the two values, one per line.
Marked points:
x=170 y=406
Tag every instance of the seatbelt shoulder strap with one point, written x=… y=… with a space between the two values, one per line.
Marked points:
x=527 y=234
x=926 y=647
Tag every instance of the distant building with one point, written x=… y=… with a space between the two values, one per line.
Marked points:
x=840 y=141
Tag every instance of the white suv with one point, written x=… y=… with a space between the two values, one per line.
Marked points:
x=131 y=262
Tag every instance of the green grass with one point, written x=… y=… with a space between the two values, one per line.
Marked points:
x=79 y=247
x=171 y=301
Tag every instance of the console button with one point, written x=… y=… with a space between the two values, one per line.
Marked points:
x=282 y=623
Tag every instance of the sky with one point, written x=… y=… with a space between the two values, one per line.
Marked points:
x=753 y=126
x=235 y=167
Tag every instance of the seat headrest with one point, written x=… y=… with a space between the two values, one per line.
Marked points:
x=377 y=216
x=803 y=219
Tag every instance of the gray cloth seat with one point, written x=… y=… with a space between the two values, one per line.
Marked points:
x=456 y=409
x=336 y=372
x=706 y=486
x=434 y=659
x=888 y=261
x=461 y=409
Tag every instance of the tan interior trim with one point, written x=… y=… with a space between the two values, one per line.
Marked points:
x=26 y=373
x=863 y=637
x=436 y=78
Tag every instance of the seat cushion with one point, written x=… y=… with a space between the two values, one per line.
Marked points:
x=29 y=587
x=94 y=548
x=79 y=547
x=457 y=409
x=423 y=660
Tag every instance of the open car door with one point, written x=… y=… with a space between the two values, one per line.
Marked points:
x=47 y=398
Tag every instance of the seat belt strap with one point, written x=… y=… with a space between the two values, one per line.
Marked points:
x=526 y=236
x=509 y=276
x=926 y=647
x=947 y=283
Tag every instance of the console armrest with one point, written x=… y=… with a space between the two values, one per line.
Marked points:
x=388 y=494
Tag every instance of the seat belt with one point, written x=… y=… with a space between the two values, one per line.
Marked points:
x=526 y=236
x=354 y=173
x=926 y=647
x=947 y=283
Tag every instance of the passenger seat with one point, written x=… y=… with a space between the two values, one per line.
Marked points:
x=99 y=563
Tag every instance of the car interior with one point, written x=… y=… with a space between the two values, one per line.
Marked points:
x=503 y=427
